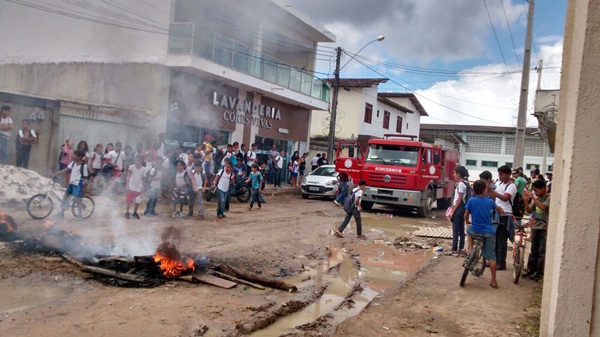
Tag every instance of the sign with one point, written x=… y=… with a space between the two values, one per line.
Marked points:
x=246 y=111
x=284 y=131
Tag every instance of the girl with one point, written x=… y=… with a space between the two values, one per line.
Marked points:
x=83 y=146
x=457 y=212
x=257 y=179
x=66 y=150
x=97 y=163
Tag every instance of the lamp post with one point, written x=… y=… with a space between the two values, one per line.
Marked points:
x=336 y=90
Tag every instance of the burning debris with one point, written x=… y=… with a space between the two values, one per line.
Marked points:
x=8 y=226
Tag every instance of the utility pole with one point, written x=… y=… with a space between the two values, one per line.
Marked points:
x=334 y=104
x=522 y=117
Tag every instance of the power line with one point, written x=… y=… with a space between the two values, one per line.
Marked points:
x=510 y=32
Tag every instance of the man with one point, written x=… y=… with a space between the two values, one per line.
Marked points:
x=535 y=174
x=236 y=148
x=354 y=211
x=517 y=174
x=6 y=124
x=25 y=138
x=242 y=152
x=539 y=231
x=251 y=157
x=314 y=162
x=504 y=193
x=549 y=183
x=277 y=165
x=323 y=160
x=272 y=153
x=160 y=152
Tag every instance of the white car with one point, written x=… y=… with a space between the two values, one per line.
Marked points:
x=322 y=182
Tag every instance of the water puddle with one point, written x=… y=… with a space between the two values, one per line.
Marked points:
x=381 y=267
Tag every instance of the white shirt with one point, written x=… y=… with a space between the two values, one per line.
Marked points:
x=224 y=181
x=180 y=179
x=357 y=195
x=251 y=156
x=295 y=166
x=314 y=161
x=136 y=178
x=279 y=161
x=460 y=188
x=504 y=188
x=272 y=154
x=198 y=180
x=183 y=157
x=116 y=158
x=97 y=160
x=31 y=132
x=226 y=154
x=6 y=121
x=161 y=150
x=154 y=175
x=76 y=172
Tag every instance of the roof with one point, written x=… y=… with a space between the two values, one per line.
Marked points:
x=357 y=82
x=394 y=104
x=450 y=132
x=413 y=99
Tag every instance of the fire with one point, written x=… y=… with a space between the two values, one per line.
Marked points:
x=10 y=223
x=171 y=262
x=48 y=224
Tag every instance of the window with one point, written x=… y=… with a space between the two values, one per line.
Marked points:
x=487 y=163
x=368 y=113
x=471 y=162
x=484 y=144
x=509 y=164
x=530 y=166
x=386 y=119
x=399 y=125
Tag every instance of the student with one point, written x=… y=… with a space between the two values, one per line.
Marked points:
x=256 y=180
x=355 y=212
x=344 y=179
x=97 y=163
x=277 y=166
x=539 y=231
x=79 y=173
x=480 y=208
x=456 y=215
x=261 y=169
x=25 y=138
x=134 y=185
x=222 y=182
x=504 y=193
x=199 y=183
x=154 y=175
x=180 y=189
x=6 y=124
x=314 y=162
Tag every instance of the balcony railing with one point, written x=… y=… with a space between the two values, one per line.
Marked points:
x=186 y=38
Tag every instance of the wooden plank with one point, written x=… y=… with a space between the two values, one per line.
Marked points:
x=215 y=281
x=237 y=280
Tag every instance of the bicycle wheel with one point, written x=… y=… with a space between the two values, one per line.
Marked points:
x=469 y=264
x=479 y=266
x=39 y=206
x=518 y=263
x=87 y=208
x=464 y=277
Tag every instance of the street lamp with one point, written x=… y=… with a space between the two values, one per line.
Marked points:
x=336 y=89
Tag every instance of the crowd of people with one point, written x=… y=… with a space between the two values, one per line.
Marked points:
x=491 y=210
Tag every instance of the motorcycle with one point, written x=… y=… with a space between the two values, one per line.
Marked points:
x=241 y=190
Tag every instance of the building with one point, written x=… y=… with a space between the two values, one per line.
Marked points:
x=105 y=72
x=488 y=147
x=364 y=113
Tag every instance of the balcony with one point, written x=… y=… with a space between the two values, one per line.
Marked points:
x=187 y=39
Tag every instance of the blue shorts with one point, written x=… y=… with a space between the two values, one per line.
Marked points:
x=489 y=244
x=294 y=174
x=75 y=190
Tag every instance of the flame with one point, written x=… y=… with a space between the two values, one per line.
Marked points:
x=10 y=223
x=171 y=262
x=48 y=224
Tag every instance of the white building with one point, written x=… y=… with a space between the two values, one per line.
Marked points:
x=105 y=72
x=488 y=147
x=364 y=113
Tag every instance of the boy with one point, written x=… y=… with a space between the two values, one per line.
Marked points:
x=134 y=185
x=354 y=213
x=154 y=174
x=480 y=209
x=180 y=190
x=25 y=138
x=539 y=231
x=199 y=183
x=257 y=179
x=261 y=170
x=79 y=171
x=222 y=182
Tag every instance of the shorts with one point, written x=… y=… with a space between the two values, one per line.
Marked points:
x=133 y=196
x=294 y=174
x=75 y=190
x=95 y=172
x=489 y=244
x=179 y=195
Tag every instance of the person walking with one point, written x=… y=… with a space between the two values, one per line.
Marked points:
x=353 y=211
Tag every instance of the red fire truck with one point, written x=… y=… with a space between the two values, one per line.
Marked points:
x=400 y=171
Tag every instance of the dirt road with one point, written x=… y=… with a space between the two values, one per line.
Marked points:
x=290 y=238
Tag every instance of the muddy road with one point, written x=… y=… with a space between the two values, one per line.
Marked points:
x=288 y=239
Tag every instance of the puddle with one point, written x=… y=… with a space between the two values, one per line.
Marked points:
x=19 y=298
x=381 y=267
x=321 y=213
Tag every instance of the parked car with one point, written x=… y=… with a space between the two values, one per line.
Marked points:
x=322 y=182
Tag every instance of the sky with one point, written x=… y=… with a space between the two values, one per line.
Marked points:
x=463 y=59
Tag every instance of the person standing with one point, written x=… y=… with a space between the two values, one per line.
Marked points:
x=6 y=124
x=160 y=151
x=540 y=200
x=199 y=182
x=272 y=153
x=323 y=160
x=277 y=165
x=457 y=214
x=504 y=193
x=154 y=175
x=136 y=179
x=251 y=157
x=224 y=179
x=25 y=138
x=255 y=179
x=66 y=150
x=354 y=212
x=549 y=183
x=314 y=162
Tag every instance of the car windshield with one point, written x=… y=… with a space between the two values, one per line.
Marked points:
x=393 y=155
x=324 y=171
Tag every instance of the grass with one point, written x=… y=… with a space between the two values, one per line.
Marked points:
x=530 y=323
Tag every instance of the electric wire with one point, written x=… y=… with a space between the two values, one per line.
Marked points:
x=510 y=32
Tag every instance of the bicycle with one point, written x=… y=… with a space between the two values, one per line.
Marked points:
x=41 y=205
x=519 y=246
x=474 y=262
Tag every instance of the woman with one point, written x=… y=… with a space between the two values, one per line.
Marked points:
x=66 y=150
x=83 y=146
x=457 y=212
x=302 y=168
x=294 y=158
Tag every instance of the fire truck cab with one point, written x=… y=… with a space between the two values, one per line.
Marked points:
x=400 y=170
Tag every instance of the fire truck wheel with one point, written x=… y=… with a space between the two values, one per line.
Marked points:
x=425 y=210
x=366 y=205
x=444 y=203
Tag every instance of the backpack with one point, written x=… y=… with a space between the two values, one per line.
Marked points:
x=349 y=202
x=469 y=193
x=518 y=205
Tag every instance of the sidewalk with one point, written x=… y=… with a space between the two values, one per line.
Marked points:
x=286 y=189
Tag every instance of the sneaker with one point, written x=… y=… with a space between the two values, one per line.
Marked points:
x=454 y=253
x=336 y=202
x=154 y=214
x=174 y=214
x=201 y=216
x=220 y=217
x=180 y=214
x=150 y=214
x=135 y=216
x=463 y=253
x=127 y=215
x=190 y=213
x=533 y=277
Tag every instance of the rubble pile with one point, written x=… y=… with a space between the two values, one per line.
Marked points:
x=19 y=184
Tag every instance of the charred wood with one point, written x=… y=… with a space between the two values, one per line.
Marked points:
x=272 y=283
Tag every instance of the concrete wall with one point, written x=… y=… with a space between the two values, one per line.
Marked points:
x=30 y=35
x=572 y=275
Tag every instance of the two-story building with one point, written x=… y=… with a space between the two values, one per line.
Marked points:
x=237 y=70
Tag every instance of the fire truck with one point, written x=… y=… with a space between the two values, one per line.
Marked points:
x=401 y=171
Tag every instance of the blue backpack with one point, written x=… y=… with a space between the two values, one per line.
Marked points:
x=349 y=202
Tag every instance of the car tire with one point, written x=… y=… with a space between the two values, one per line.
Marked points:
x=304 y=196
